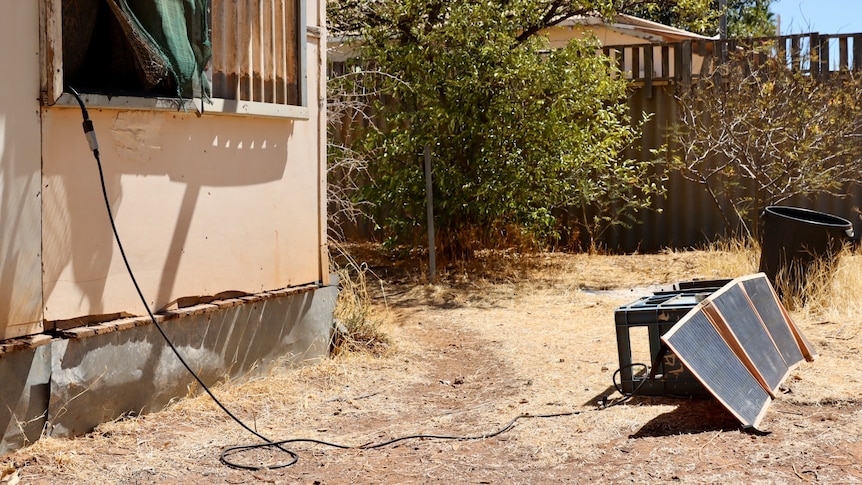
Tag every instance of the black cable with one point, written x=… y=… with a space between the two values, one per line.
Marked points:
x=90 y=133
x=370 y=446
x=619 y=388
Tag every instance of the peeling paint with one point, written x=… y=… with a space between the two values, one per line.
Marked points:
x=136 y=134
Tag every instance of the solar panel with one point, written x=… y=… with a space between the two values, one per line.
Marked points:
x=705 y=353
x=756 y=347
x=766 y=302
x=740 y=343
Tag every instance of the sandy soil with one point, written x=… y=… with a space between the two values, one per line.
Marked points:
x=527 y=337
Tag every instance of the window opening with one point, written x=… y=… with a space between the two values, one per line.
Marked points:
x=238 y=50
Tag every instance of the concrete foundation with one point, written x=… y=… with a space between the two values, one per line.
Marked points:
x=68 y=383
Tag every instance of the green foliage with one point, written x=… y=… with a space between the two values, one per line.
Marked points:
x=750 y=18
x=517 y=132
x=745 y=18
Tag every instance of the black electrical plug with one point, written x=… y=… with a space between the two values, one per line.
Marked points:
x=89 y=130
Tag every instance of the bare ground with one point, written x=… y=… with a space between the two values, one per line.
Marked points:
x=532 y=335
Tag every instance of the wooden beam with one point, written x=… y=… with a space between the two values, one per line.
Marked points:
x=685 y=67
x=857 y=52
x=843 y=54
x=50 y=51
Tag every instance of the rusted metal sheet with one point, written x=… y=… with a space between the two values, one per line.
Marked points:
x=64 y=386
x=102 y=376
x=256 y=51
x=26 y=375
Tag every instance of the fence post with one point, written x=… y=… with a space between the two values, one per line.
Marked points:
x=685 y=67
x=795 y=52
x=843 y=54
x=857 y=52
x=823 y=61
x=814 y=55
x=429 y=204
x=648 y=69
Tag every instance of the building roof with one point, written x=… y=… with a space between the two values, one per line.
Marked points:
x=638 y=27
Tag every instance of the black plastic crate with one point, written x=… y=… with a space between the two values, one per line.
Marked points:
x=658 y=313
x=701 y=285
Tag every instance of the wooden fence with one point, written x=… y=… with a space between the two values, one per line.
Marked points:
x=687 y=61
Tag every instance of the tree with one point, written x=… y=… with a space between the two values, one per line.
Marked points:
x=759 y=132
x=750 y=18
x=518 y=132
x=745 y=18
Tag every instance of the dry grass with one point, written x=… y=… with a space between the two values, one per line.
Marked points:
x=730 y=258
x=513 y=333
x=830 y=289
x=357 y=323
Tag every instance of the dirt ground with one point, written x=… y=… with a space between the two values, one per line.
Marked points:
x=519 y=336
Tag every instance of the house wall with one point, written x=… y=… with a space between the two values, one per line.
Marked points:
x=203 y=204
x=20 y=197
x=559 y=36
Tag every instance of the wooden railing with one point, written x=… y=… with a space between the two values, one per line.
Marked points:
x=686 y=61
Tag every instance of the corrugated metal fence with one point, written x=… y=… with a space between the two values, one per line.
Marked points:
x=688 y=217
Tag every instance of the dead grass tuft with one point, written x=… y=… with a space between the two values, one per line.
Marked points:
x=357 y=327
x=730 y=258
x=831 y=290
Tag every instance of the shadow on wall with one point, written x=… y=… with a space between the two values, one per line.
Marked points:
x=197 y=153
x=20 y=221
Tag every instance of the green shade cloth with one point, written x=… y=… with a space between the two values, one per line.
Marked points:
x=170 y=38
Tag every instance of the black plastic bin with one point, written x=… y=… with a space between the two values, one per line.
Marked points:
x=793 y=238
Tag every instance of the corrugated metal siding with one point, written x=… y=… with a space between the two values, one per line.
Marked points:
x=255 y=48
x=688 y=215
